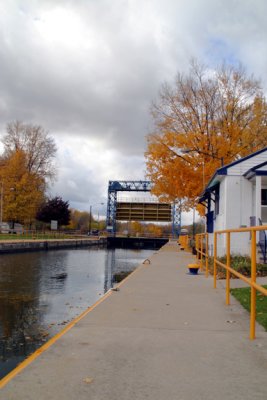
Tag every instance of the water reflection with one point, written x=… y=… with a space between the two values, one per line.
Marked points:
x=110 y=266
x=41 y=292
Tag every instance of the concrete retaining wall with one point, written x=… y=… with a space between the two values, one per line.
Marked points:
x=136 y=242
x=15 y=246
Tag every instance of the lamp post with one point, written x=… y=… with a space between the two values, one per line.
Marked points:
x=90 y=220
x=90 y=216
x=1 y=203
x=186 y=151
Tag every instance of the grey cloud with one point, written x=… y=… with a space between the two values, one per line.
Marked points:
x=103 y=84
x=103 y=91
x=90 y=69
x=85 y=181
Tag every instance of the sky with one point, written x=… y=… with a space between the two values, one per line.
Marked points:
x=88 y=71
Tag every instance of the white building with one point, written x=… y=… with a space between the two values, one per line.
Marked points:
x=235 y=197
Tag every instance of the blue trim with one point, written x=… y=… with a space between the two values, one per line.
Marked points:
x=210 y=221
x=256 y=173
x=243 y=159
x=222 y=171
x=206 y=195
x=261 y=173
x=251 y=172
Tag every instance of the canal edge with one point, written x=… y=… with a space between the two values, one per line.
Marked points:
x=12 y=374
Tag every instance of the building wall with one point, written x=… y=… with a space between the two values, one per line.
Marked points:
x=240 y=199
x=239 y=206
x=236 y=208
x=242 y=167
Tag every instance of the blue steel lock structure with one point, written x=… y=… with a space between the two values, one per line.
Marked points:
x=136 y=186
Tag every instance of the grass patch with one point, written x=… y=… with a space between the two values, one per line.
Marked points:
x=37 y=235
x=241 y=264
x=243 y=296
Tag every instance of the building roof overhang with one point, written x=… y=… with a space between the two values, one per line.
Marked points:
x=219 y=175
x=206 y=195
x=257 y=170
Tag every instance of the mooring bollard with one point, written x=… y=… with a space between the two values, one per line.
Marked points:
x=193 y=269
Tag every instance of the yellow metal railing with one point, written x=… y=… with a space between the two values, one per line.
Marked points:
x=184 y=241
x=202 y=241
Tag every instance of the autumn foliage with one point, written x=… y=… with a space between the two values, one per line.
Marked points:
x=205 y=119
x=38 y=146
x=23 y=191
x=26 y=166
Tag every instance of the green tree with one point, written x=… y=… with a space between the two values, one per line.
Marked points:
x=54 y=209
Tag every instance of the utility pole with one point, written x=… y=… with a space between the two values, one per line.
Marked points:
x=90 y=220
x=90 y=216
x=1 y=203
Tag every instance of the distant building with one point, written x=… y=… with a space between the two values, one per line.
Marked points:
x=236 y=196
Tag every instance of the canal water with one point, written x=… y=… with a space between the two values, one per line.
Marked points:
x=41 y=292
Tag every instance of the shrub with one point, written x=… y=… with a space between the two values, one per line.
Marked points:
x=241 y=264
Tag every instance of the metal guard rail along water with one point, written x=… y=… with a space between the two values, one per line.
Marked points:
x=202 y=246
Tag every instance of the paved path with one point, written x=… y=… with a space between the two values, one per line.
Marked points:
x=165 y=335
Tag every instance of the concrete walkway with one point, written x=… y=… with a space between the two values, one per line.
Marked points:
x=165 y=335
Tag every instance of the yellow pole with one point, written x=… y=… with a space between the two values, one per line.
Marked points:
x=207 y=254
x=201 y=248
x=214 y=261
x=227 y=270
x=252 y=289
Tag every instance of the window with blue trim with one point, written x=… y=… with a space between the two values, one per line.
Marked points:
x=264 y=197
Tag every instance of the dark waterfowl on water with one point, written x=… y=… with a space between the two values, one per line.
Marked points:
x=60 y=276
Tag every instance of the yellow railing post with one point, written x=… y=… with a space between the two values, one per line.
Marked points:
x=196 y=246
x=201 y=249
x=214 y=261
x=228 y=246
x=229 y=270
x=207 y=254
x=252 y=289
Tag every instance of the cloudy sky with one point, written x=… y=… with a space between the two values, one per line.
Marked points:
x=88 y=70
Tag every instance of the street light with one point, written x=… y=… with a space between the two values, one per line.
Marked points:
x=186 y=151
x=1 y=204
x=90 y=216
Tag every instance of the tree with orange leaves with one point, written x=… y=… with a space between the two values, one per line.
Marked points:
x=206 y=118
x=23 y=191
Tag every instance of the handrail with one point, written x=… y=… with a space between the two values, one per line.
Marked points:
x=200 y=250
x=254 y=286
x=263 y=242
x=184 y=241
